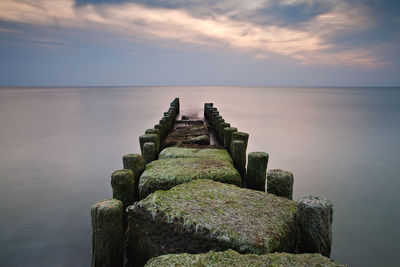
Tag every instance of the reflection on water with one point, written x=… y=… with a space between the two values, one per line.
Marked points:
x=59 y=146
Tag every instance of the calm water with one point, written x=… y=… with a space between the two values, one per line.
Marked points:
x=59 y=146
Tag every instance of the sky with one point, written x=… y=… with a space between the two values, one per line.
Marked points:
x=200 y=43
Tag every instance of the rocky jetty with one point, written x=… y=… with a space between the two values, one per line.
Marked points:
x=191 y=192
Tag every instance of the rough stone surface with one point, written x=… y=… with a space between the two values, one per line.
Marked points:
x=107 y=234
x=180 y=165
x=257 y=170
x=198 y=140
x=231 y=258
x=280 y=183
x=123 y=185
x=187 y=133
x=205 y=215
x=135 y=163
x=315 y=215
x=181 y=152
x=149 y=152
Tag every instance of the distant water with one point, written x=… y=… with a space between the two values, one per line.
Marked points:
x=59 y=146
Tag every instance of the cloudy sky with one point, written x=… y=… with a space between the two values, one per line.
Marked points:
x=200 y=42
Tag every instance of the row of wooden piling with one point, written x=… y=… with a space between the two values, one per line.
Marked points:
x=314 y=213
x=150 y=142
x=109 y=216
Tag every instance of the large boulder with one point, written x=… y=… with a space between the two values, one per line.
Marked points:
x=179 y=152
x=180 y=165
x=231 y=258
x=205 y=215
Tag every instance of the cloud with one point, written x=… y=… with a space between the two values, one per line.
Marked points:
x=225 y=25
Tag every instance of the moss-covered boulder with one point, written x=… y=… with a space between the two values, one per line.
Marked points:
x=231 y=258
x=180 y=152
x=178 y=165
x=205 y=215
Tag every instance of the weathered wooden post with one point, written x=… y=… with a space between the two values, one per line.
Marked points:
x=314 y=216
x=169 y=118
x=107 y=234
x=206 y=107
x=217 y=127
x=239 y=158
x=154 y=131
x=257 y=170
x=161 y=130
x=135 y=163
x=176 y=104
x=214 y=115
x=280 y=183
x=149 y=138
x=240 y=136
x=164 y=124
x=149 y=152
x=228 y=131
x=123 y=185
x=211 y=109
x=216 y=120
x=221 y=127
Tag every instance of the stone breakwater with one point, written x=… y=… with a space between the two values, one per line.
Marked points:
x=188 y=200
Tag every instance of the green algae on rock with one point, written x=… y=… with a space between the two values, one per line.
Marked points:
x=180 y=152
x=163 y=174
x=230 y=258
x=206 y=215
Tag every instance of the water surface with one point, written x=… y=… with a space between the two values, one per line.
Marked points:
x=59 y=146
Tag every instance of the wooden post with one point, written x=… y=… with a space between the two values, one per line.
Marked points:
x=221 y=127
x=107 y=234
x=123 y=185
x=228 y=131
x=239 y=158
x=135 y=163
x=280 y=183
x=257 y=170
x=241 y=136
x=161 y=130
x=206 y=107
x=314 y=216
x=149 y=152
x=149 y=138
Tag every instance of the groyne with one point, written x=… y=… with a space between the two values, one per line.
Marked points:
x=193 y=189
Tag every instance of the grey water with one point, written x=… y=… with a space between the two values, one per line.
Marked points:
x=59 y=146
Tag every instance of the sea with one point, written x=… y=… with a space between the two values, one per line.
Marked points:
x=59 y=146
